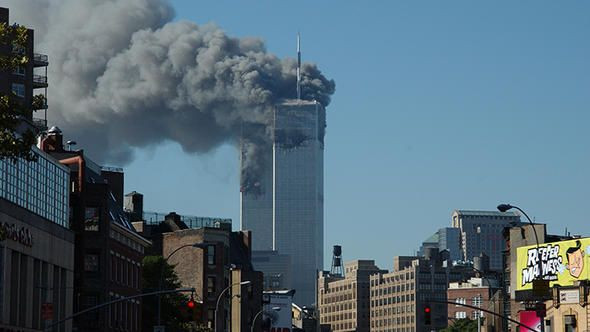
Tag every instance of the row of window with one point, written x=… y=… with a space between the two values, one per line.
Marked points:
x=392 y=321
x=40 y=187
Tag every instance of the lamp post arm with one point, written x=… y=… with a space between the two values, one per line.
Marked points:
x=162 y=277
x=254 y=320
x=106 y=304
x=530 y=222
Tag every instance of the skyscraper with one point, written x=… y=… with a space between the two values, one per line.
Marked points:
x=481 y=232
x=286 y=212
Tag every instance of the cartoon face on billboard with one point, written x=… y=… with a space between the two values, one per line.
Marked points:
x=561 y=263
x=575 y=260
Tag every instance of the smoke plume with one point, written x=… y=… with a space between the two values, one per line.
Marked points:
x=122 y=75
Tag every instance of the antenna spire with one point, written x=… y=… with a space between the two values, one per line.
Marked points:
x=298 y=66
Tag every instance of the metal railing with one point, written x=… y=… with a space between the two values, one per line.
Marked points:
x=39 y=79
x=40 y=58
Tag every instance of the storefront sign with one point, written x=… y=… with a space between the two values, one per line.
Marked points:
x=561 y=263
x=21 y=235
x=569 y=296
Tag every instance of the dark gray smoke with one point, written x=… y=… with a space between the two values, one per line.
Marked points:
x=122 y=75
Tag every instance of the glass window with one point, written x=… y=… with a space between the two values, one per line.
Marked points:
x=91 y=219
x=211 y=255
x=18 y=89
x=19 y=70
x=210 y=286
x=91 y=263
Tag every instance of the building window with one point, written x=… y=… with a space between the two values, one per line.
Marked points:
x=91 y=263
x=211 y=255
x=460 y=314
x=210 y=286
x=18 y=89
x=91 y=219
x=19 y=70
x=477 y=301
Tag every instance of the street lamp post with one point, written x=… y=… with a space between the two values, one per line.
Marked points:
x=506 y=207
x=258 y=314
x=194 y=245
x=242 y=283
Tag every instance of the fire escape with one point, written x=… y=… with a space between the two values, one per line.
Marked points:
x=40 y=82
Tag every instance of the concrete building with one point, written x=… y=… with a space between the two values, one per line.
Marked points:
x=343 y=302
x=481 y=232
x=27 y=82
x=225 y=261
x=108 y=252
x=398 y=298
x=448 y=238
x=284 y=206
x=276 y=267
x=36 y=246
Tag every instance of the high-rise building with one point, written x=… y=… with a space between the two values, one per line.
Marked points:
x=285 y=211
x=447 y=238
x=481 y=232
x=343 y=302
x=27 y=82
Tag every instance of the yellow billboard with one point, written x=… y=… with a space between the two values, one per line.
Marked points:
x=562 y=263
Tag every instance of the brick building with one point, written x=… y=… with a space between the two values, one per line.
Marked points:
x=108 y=251
x=225 y=261
x=475 y=292
x=343 y=302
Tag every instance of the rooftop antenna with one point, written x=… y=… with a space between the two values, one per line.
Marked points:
x=298 y=66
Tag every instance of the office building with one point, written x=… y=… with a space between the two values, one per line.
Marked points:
x=108 y=251
x=481 y=232
x=284 y=208
x=343 y=302
x=447 y=238
x=27 y=82
x=36 y=246
x=276 y=267
x=398 y=298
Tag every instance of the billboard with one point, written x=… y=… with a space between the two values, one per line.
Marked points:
x=562 y=263
x=529 y=318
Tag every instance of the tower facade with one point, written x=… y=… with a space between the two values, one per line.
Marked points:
x=287 y=213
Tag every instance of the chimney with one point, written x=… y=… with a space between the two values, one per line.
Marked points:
x=173 y=216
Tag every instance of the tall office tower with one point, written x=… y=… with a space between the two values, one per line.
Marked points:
x=285 y=207
x=481 y=232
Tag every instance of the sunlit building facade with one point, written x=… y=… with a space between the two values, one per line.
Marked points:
x=287 y=214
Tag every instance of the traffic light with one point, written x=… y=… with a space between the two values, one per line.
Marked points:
x=190 y=304
x=427 y=315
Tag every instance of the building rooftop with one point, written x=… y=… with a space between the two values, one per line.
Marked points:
x=486 y=213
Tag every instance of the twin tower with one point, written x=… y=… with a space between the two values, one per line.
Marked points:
x=285 y=212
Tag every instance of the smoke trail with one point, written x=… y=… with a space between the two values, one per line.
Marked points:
x=122 y=75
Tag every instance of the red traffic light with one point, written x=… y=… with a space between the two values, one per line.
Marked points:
x=427 y=310
x=190 y=304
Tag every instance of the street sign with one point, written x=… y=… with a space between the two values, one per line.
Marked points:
x=159 y=328
x=47 y=311
x=569 y=296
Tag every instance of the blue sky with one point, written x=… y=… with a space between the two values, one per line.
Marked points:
x=438 y=106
